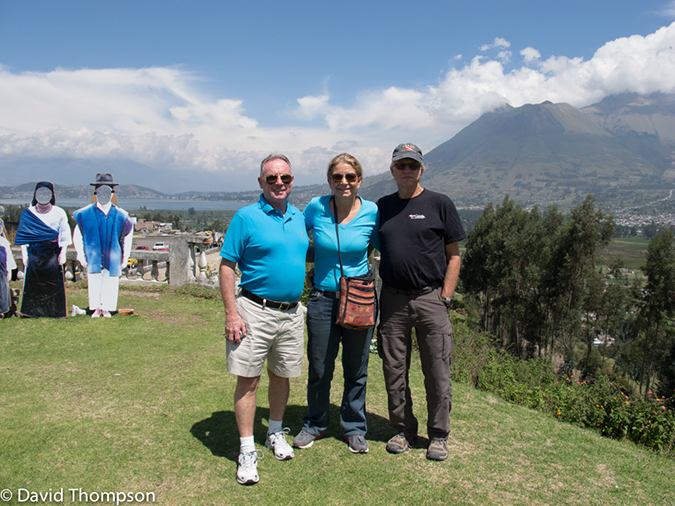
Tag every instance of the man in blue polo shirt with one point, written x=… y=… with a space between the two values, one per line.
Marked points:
x=264 y=321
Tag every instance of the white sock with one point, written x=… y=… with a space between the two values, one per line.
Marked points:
x=275 y=426
x=246 y=444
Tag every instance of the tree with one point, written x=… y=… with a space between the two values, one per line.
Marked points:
x=666 y=386
x=650 y=231
x=534 y=276
x=175 y=220
x=217 y=226
x=13 y=213
x=658 y=304
x=501 y=270
x=574 y=252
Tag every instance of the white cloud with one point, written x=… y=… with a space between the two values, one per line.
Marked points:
x=160 y=118
x=504 y=56
x=530 y=54
x=312 y=107
x=668 y=10
x=498 y=43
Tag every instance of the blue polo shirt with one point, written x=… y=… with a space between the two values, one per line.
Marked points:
x=270 y=249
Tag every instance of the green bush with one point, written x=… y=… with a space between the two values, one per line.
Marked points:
x=470 y=350
x=602 y=405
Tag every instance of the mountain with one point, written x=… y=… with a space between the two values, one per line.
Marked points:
x=15 y=171
x=621 y=150
x=25 y=191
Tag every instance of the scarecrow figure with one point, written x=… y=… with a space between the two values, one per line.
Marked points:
x=43 y=234
x=103 y=238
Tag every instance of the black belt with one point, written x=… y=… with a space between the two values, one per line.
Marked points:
x=334 y=295
x=419 y=291
x=284 y=306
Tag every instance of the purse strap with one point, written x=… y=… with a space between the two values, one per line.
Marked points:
x=342 y=272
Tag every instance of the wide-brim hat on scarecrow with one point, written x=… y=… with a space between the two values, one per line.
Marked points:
x=104 y=178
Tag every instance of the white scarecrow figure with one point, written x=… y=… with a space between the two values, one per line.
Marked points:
x=103 y=238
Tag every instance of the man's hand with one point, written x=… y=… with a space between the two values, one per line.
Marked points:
x=235 y=329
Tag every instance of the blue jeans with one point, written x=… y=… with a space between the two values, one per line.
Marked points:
x=324 y=336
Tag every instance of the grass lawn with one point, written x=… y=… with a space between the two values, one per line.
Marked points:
x=143 y=404
x=633 y=251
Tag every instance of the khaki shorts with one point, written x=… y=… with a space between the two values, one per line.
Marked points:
x=272 y=334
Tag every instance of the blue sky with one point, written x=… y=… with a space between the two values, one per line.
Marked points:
x=208 y=88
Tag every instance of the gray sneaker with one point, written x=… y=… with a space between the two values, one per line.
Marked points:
x=357 y=443
x=398 y=444
x=438 y=449
x=305 y=438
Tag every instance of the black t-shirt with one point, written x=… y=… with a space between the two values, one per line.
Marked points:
x=413 y=236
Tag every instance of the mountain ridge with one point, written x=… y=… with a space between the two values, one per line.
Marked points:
x=621 y=149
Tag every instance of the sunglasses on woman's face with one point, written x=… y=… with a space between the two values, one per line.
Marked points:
x=285 y=178
x=351 y=177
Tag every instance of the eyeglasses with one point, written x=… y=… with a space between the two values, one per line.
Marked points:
x=413 y=165
x=285 y=178
x=351 y=177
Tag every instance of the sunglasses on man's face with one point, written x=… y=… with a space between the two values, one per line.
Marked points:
x=351 y=177
x=413 y=165
x=285 y=178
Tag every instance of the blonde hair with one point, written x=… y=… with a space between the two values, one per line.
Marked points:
x=348 y=159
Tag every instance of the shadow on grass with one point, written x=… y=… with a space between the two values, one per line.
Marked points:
x=220 y=435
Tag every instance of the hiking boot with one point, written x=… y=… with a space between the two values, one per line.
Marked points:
x=357 y=443
x=276 y=441
x=438 y=449
x=398 y=444
x=305 y=438
x=247 y=471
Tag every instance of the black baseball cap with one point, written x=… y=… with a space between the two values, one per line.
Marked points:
x=407 y=151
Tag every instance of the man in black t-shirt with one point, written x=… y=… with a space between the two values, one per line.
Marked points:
x=419 y=234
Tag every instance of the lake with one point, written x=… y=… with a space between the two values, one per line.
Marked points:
x=131 y=204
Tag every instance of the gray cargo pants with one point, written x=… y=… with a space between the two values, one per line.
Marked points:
x=424 y=310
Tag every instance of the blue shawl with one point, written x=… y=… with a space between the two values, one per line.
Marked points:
x=32 y=229
x=102 y=237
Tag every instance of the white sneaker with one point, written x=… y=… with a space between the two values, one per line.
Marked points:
x=97 y=313
x=278 y=444
x=247 y=471
x=106 y=314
